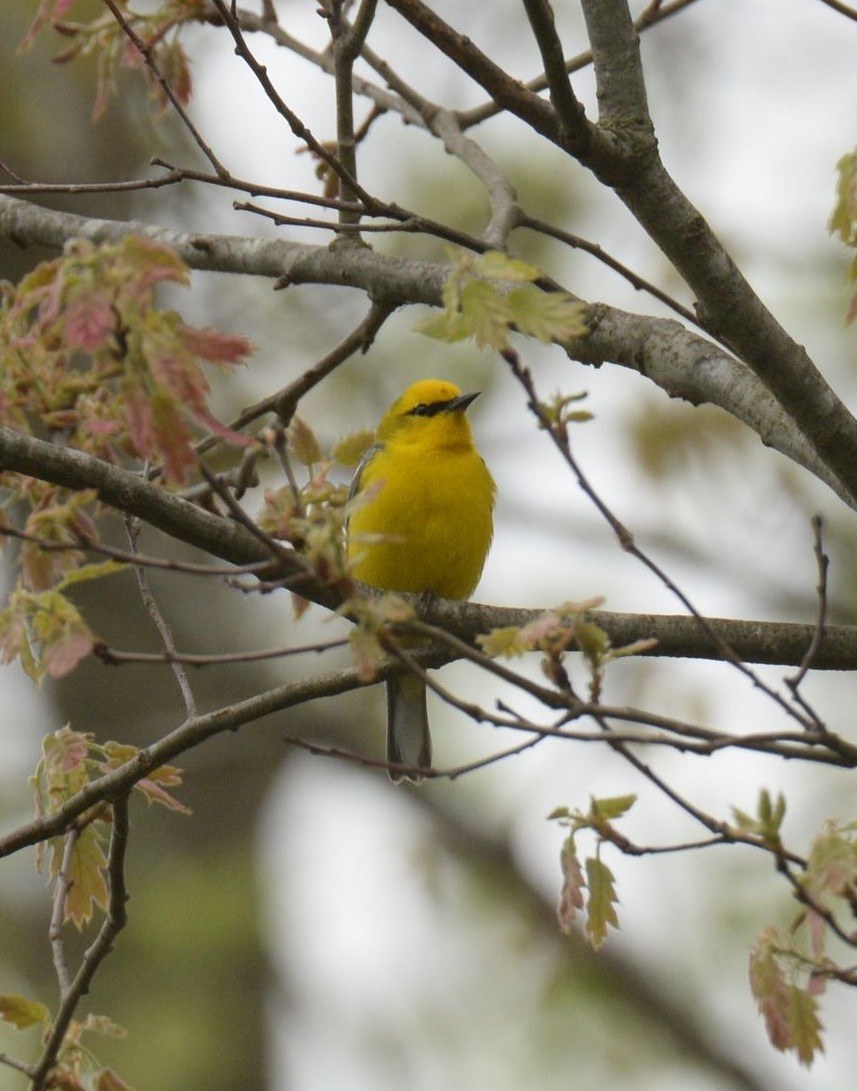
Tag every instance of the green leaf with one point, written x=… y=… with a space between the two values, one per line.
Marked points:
x=87 y=882
x=303 y=444
x=843 y=220
x=22 y=1012
x=486 y=314
x=448 y=326
x=600 y=911
x=804 y=1025
x=495 y=265
x=91 y=572
x=502 y=643
x=612 y=807
x=547 y=316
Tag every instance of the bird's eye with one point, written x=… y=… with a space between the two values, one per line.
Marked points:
x=421 y=410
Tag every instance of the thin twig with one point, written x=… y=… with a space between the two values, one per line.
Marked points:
x=297 y=126
x=62 y=887
x=114 y=921
x=636 y=281
x=653 y=14
x=822 y=564
x=148 y=56
x=626 y=541
x=132 y=527
x=116 y=658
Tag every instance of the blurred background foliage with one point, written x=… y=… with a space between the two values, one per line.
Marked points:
x=310 y=926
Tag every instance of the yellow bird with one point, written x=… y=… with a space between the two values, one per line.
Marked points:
x=426 y=528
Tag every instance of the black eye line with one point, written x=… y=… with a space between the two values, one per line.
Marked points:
x=429 y=409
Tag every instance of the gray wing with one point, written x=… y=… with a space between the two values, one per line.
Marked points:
x=365 y=459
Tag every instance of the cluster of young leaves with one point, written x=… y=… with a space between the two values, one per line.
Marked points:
x=313 y=518
x=488 y=296
x=555 y=632
x=593 y=892
x=105 y=39
x=77 y=860
x=70 y=760
x=88 y=359
x=789 y=968
x=843 y=221
x=77 y=1066
x=309 y=516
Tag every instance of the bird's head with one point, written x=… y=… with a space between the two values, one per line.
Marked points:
x=428 y=404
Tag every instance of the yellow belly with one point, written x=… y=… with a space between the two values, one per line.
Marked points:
x=429 y=527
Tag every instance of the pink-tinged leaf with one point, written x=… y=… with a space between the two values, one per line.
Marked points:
x=64 y=655
x=366 y=654
x=65 y=751
x=817 y=929
x=769 y=988
x=573 y=885
x=177 y=71
x=89 y=321
x=181 y=376
x=139 y=416
x=172 y=437
x=155 y=792
x=207 y=420
x=49 y=10
x=216 y=347
x=153 y=262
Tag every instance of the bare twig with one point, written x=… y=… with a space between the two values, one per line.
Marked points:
x=626 y=541
x=148 y=56
x=62 y=886
x=822 y=563
x=636 y=281
x=114 y=921
x=294 y=122
x=133 y=527
x=217 y=659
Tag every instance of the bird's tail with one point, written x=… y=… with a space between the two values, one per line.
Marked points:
x=408 y=737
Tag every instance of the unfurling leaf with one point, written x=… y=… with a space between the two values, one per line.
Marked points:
x=154 y=786
x=22 y=1012
x=612 y=807
x=790 y=1010
x=303 y=444
x=573 y=885
x=489 y=296
x=350 y=449
x=600 y=910
x=107 y=1080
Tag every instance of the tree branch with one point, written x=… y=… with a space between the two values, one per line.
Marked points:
x=782 y=643
x=681 y=363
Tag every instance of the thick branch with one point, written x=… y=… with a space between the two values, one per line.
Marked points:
x=683 y=364
x=727 y=302
x=754 y=641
